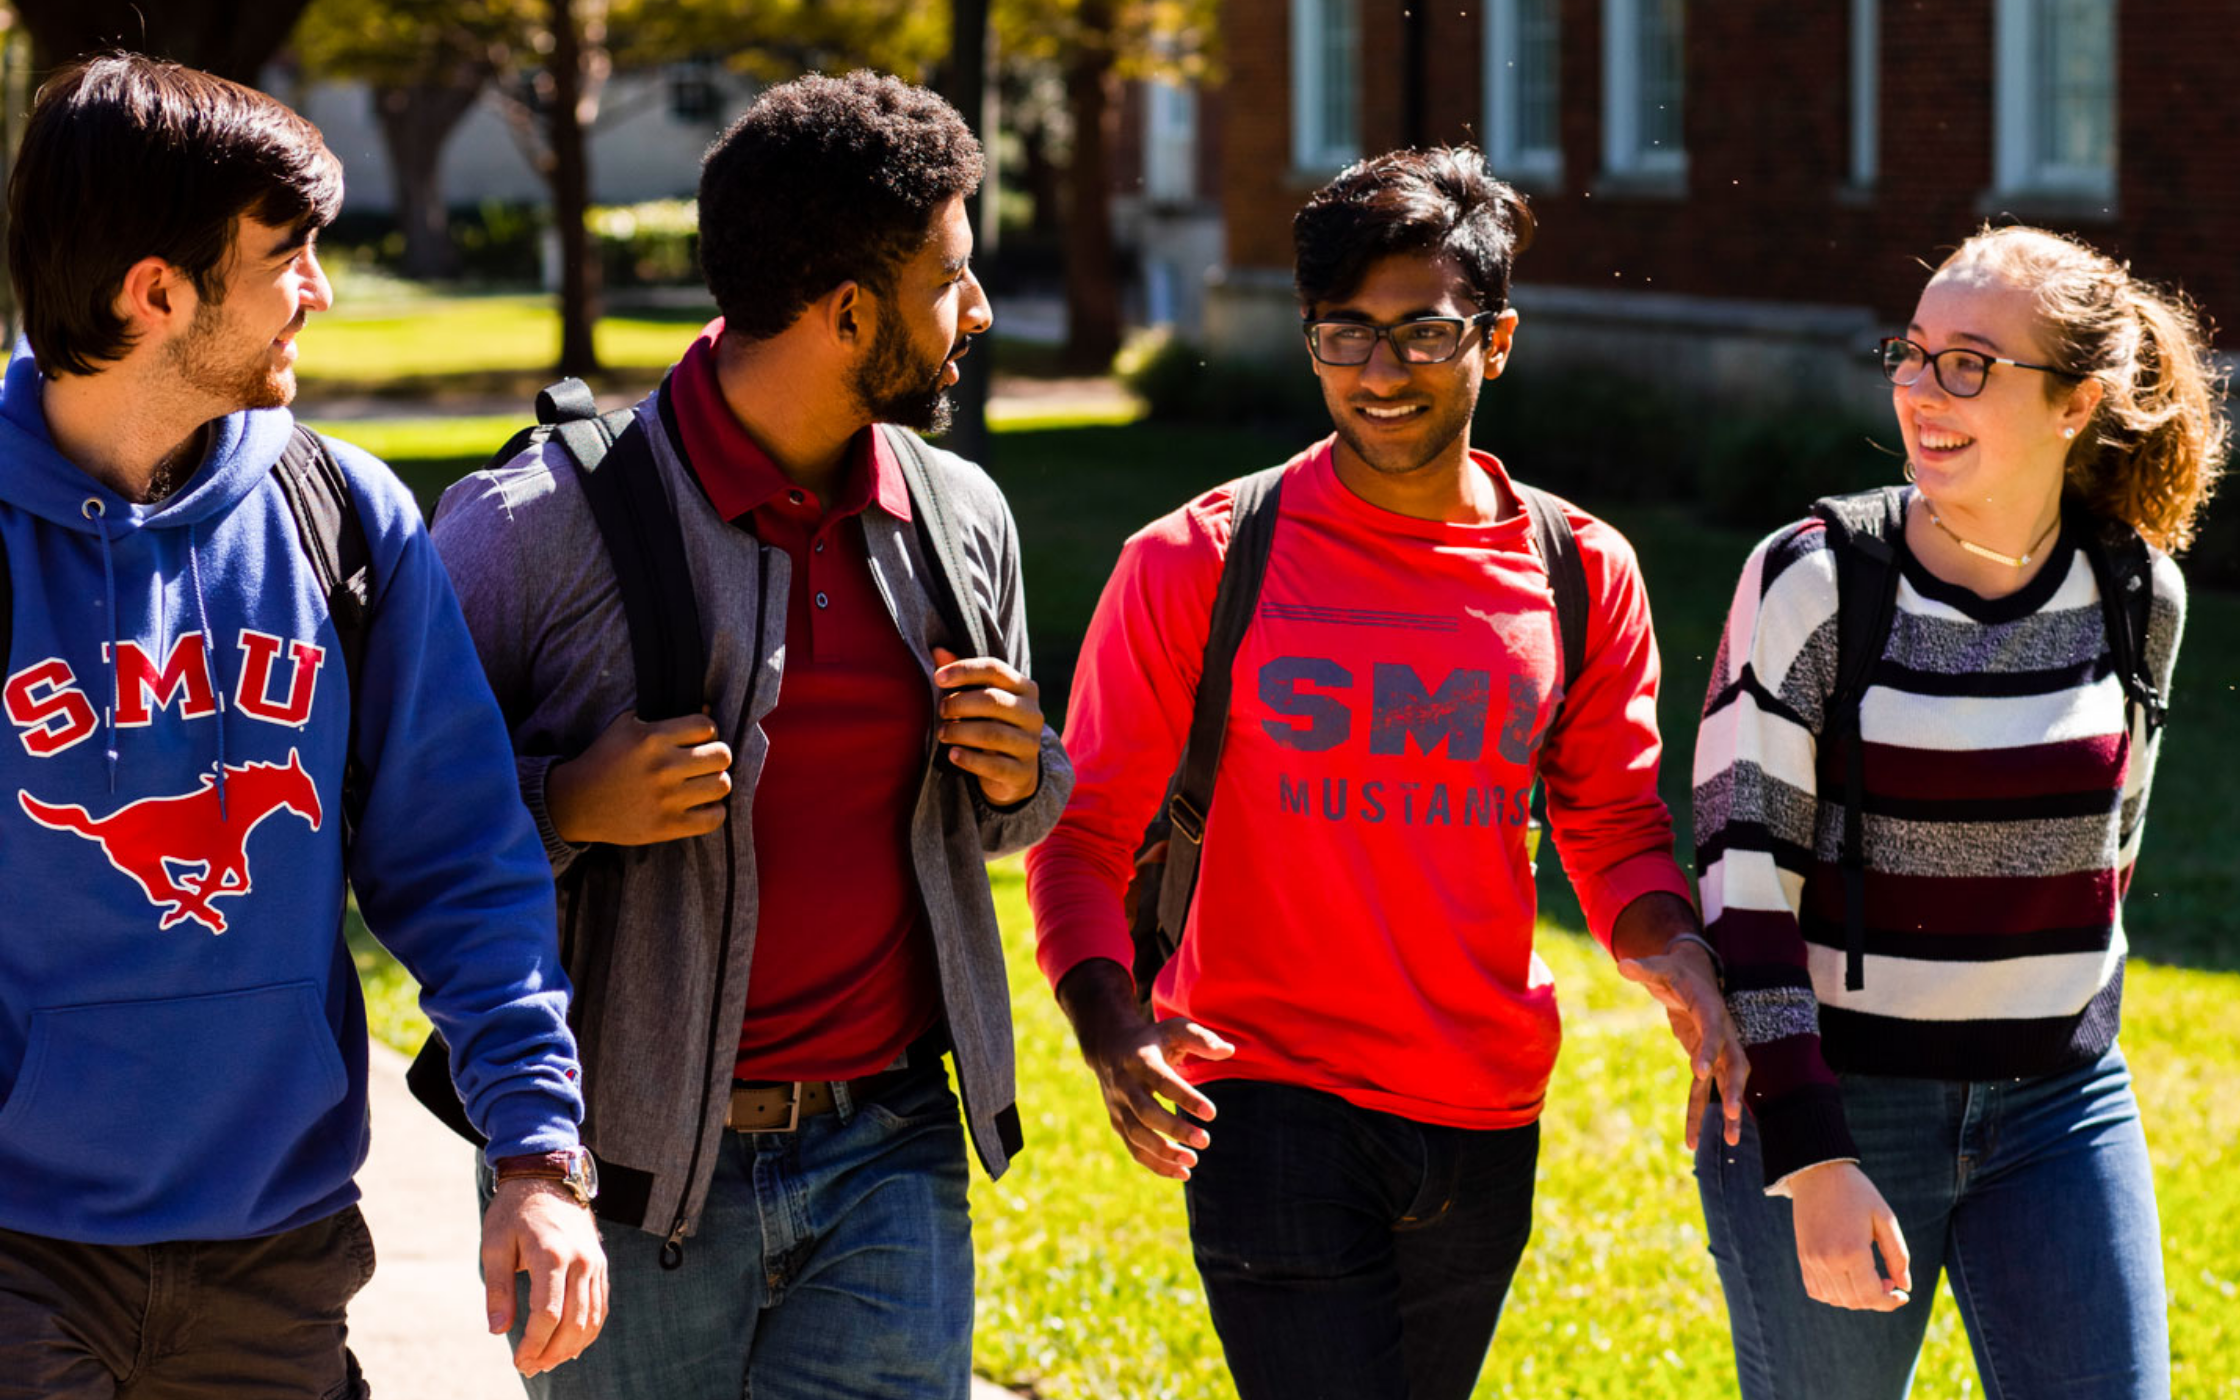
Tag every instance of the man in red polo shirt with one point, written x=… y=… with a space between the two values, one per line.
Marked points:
x=1356 y=992
x=799 y=927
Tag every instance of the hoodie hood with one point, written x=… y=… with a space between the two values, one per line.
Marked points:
x=36 y=477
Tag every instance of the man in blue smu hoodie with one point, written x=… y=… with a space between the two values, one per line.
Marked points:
x=182 y=1039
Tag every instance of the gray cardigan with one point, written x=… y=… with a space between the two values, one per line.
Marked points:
x=659 y=940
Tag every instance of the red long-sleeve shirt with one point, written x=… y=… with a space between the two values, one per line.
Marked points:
x=1364 y=912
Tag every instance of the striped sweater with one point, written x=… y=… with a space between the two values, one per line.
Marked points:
x=2005 y=792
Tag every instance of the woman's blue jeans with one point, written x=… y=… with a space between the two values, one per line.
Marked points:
x=1353 y=1254
x=2033 y=1195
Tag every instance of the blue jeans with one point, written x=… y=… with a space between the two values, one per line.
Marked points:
x=833 y=1263
x=2033 y=1195
x=1354 y=1254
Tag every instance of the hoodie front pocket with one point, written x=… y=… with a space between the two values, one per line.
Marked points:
x=185 y=1107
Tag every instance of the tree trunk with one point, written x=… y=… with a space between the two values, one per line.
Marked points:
x=571 y=195
x=231 y=38
x=966 y=87
x=415 y=122
x=1092 y=289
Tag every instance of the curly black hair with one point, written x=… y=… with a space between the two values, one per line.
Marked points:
x=821 y=181
x=1440 y=201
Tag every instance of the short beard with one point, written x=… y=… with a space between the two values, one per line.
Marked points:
x=893 y=386
x=200 y=360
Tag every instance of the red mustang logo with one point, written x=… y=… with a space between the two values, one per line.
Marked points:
x=155 y=837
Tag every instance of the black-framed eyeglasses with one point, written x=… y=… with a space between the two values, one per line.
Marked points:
x=1962 y=372
x=1426 y=340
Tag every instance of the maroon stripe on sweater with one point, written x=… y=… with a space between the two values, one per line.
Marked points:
x=1758 y=936
x=1978 y=904
x=2096 y=764
x=1781 y=1067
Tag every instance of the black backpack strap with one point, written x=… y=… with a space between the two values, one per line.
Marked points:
x=1253 y=507
x=334 y=541
x=941 y=540
x=1867 y=533
x=1567 y=578
x=2124 y=571
x=622 y=485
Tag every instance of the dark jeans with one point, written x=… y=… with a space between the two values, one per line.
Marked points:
x=1354 y=1254
x=220 y=1320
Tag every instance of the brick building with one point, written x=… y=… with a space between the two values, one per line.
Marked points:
x=1735 y=194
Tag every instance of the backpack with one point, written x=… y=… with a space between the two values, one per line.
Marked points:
x=1159 y=898
x=333 y=540
x=1866 y=532
x=622 y=486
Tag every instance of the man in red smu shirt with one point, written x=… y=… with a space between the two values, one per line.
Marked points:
x=1356 y=1029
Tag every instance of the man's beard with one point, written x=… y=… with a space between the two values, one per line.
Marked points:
x=207 y=363
x=894 y=385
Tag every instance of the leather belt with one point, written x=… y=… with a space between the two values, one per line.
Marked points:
x=762 y=1106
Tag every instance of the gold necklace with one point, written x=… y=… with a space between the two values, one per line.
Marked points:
x=1991 y=554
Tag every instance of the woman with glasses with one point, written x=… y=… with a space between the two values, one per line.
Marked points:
x=1944 y=1095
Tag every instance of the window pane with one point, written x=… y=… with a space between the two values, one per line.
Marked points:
x=2076 y=84
x=1536 y=75
x=1660 y=76
x=1340 y=39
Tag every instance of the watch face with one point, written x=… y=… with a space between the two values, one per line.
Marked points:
x=583 y=1174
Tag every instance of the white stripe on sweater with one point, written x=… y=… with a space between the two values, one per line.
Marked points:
x=2050 y=984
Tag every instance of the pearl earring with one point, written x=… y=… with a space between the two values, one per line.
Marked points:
x=2068 y=432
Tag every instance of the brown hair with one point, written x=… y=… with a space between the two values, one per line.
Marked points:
x=128 y=157
x=1441 y=201
x=2156 y=445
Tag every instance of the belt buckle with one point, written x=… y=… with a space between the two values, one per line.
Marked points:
x=793 y=1110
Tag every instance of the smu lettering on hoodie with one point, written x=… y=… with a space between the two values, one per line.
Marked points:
x=182 y=1036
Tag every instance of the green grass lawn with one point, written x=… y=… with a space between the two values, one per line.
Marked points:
x=1086 y=1284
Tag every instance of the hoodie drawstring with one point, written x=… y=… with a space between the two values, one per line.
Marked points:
x=209 y=668
x=96 y=512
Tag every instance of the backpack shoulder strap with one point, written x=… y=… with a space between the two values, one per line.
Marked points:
x=1252 y=527
x=1867 y=533
x=622 y=485
x=941 y=539
x=2124 y=571
x=1567 y=578
x=333 y=539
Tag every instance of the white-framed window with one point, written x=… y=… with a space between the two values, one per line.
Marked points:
x=1522 y=48
x=1170 y=144
x=1642 y=86
x=1325 y=83
x=2056 y=111
x=1866 y=92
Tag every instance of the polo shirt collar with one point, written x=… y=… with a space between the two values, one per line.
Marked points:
x=738 y=475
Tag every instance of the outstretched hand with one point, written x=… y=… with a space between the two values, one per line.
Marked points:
x=1134 y=1061
x=1682 y=981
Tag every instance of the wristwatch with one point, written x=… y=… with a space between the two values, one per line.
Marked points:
x=572 y=1168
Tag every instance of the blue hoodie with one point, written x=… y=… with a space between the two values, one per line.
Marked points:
x=182 y=1038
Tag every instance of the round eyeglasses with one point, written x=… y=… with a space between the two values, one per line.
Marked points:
x=1962 y=372
x=1426 y=340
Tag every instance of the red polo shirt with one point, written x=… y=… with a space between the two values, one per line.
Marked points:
x=843 y=975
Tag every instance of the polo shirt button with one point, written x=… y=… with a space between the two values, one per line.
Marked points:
x=823 y=601
x=820 y=546
x=796 y=497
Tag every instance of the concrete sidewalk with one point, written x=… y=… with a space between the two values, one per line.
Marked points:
x=418 y=1326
